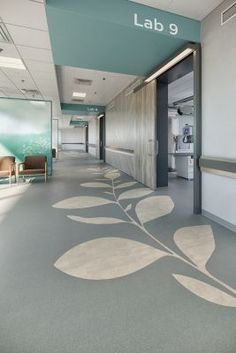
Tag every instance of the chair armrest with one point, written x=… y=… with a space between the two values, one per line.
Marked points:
x=46 y=167
x=12 y=168
x=18 y=166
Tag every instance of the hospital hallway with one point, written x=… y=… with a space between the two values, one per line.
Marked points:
x=93 y=261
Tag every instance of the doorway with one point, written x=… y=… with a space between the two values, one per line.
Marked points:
x=102 y=138
x=178 y=129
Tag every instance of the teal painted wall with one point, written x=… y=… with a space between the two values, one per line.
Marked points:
x=101 y=35
x=81 y=109
x=25 y=129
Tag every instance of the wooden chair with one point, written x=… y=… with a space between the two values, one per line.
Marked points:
x=33 y=166
x=7 y=167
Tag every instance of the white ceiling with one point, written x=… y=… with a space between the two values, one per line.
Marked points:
x=181 y=88
x=101 y=92
x=197 y=9
x=26 y=23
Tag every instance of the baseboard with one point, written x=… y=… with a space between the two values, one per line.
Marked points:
x=219 y=220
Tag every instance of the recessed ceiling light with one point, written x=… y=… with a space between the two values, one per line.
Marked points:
x=12 y=63
x=79 y=94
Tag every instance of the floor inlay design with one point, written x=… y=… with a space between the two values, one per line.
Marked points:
x=82 y=202
x=109 y=257
x=96 y=220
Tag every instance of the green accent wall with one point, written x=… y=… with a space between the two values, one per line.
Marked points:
x=101 y=35
x=81 y=109
x=25 y=129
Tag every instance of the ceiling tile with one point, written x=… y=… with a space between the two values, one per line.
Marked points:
x=29 y=37
x=21 y=78
x=24 y=13
x=4 y=80
x=40 y=66
x=36 y=54
x=9 y=50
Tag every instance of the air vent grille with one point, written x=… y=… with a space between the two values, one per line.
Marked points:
x=30 y=91
x=77 y=100
x=82 y=81
x=4 y=34
x=228 y=13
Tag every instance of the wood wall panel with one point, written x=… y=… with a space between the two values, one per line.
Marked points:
x=145 y=161
x=131 y=125
x=122 y=161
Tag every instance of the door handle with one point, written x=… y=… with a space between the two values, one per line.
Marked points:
x=153 y=148
x=156 y=147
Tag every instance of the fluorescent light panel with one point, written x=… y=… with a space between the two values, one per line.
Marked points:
x=170 y=64
x=79 y=94
x=12 y=63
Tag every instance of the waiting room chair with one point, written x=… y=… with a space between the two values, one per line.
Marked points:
x=7 y=167
x=33 y=166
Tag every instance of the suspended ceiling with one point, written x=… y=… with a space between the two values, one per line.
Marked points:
x=26 y=23
x=104 y=85
x=198 y=9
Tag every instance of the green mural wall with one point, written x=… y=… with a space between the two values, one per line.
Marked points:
x=25 y=129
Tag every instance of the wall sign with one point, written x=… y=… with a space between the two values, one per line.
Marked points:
x=155 y=25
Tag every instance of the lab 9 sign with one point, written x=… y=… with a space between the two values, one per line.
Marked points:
x=155 y=25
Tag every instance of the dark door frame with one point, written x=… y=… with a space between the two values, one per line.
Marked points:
x=197 y=72
x=102 y=137
x=87 y=138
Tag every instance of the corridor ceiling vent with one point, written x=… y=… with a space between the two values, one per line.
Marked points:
x=30 y=91
x=83 y=82
x=4 y=34
x=228 y=13
x=184 y=53
x=80 y=100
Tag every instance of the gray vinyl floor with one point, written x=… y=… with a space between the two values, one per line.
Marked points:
x=137 y=273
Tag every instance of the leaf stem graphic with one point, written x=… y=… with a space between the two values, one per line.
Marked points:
x=170 y=251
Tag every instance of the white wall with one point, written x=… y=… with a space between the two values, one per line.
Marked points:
x=219 y=117
x=73 y=139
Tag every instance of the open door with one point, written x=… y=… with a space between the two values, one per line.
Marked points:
x=86 y=138
x=186 y=142
x=102 y=138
